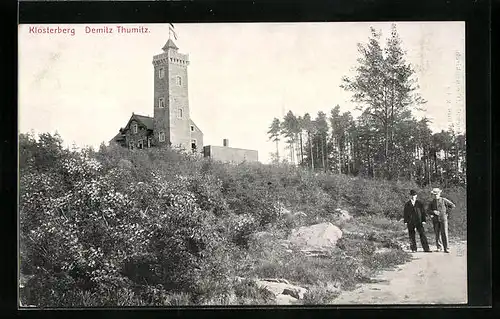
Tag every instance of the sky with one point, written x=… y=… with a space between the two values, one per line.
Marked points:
x=85 y=86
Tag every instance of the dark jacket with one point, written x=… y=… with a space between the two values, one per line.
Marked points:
x=414 y=215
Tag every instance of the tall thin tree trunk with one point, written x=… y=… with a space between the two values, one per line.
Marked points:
x=339 y=155
x=317 y=148
x=435 y=163
x=322 y=154
x=386 y=148
x=277 y=151
x=311 y=150
x=301 y=150
x=326 y=155
x=349 y=158
x=429 y=180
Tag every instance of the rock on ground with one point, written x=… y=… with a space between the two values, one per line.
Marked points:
x=285 y=300
x=285 y=292
x=323 y=236
x=343 y=214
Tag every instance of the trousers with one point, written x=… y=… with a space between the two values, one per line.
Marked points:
x=441 y=231
x=421 y=233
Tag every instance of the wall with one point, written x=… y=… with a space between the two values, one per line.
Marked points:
x=230 y=154
x=180 y=132
x=161 y=89
x=142 y=134
x=197 y=134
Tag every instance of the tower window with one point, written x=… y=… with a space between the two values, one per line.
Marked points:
x=161 y=136
x=161 y=73
x=192 y=128
x=178 y=80
x=179 y=114
x=161 y=102
x=134 y=128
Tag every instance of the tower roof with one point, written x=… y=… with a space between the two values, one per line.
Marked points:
x=169 y=45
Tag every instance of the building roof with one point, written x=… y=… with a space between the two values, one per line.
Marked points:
x=169 y=45
x=145 y=120
x=118 y=137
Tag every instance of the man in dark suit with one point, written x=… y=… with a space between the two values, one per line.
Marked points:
x=414 y=218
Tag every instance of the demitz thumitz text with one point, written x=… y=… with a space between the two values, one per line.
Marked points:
x=89 y=30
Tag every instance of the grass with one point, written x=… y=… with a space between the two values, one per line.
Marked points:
x=239 y=201
x=351 y=262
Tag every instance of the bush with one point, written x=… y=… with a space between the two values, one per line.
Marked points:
x=319 y=296
x=102 y=228
x=388 y=260
x=159 y=227
x=247 y=292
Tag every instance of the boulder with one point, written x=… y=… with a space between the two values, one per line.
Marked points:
x=383 y=250
x=262 y=235
x=291 y=292
x=319 y=237
x=343 y=214
x=285 y=300
x=282 y=210
x=300 y=214
x=281 y=287
x=281 y=280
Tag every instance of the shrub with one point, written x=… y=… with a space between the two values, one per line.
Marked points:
x=388 y=260
x=160 y=227
x=319 y=296
x=101 y=230
x=248 y=292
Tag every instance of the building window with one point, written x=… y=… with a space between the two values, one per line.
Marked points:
x=161 y=102
x=140 y=145
x=149 y=142
x=179 y=114
x=134 y=128
x=192 y=128
x=193 y=144
x=178 y=80
x=161 y=137
x=131 y=145
x=161 y=73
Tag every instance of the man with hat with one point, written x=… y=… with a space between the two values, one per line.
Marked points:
x=440 y=208
x=414 y=218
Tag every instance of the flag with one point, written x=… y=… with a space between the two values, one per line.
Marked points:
x=172 y=31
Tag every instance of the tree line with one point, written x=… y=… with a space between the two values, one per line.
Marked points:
x=386 y=140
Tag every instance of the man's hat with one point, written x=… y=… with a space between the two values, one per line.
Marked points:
x=413 y=192
x=435 y=191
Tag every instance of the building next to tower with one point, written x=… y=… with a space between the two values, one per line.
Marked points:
x=171 y=124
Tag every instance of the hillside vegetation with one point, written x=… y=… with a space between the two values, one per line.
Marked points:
x=116 y=227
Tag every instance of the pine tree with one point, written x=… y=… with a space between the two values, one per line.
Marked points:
x=384 y=88
x=309 y=128
x=274 y=135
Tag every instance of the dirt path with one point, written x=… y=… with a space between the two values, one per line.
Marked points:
x=430 y=278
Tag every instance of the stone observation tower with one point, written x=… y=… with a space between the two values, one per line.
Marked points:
x=171 y=124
